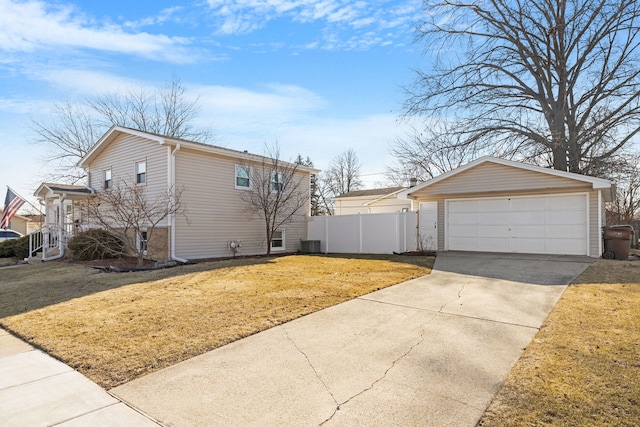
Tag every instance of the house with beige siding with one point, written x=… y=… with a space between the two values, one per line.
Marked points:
x=377 y=200
x=19 y=223
x=211 y=180
x=497 y=205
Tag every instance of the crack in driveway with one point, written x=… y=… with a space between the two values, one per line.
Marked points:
x=384 y=375
x=459 y=296
x=309 y=363
x=419 y=341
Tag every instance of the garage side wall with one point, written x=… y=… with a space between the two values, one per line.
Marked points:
x=596 y=221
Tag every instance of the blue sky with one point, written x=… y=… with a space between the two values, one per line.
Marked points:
x=317 y=76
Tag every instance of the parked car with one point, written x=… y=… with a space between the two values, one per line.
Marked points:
x=8 y=235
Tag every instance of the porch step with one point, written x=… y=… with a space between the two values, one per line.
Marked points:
x=35 y=259
x=52 y=252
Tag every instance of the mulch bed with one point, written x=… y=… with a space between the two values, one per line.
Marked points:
x=123 y=263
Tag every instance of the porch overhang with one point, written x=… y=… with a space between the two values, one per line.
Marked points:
x=48 y=190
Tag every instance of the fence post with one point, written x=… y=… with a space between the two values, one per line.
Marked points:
x=326 y=234
x=359 y=233
x=398 y=232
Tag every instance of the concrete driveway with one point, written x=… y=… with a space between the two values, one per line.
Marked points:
x=428 y=352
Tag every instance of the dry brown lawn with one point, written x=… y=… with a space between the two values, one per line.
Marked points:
x=8 y=261
x=114 y=327
x=583 y=366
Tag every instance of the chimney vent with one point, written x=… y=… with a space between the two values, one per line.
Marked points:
x=413 y=182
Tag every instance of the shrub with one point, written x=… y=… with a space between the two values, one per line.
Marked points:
x=21 y=247
x=18 y=248
x=95 y=243
x=6 y=249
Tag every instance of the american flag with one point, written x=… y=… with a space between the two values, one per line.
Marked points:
x=12 y=203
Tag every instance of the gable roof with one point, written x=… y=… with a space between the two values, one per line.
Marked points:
x=379 y=192
x=596 y=183
x=67 y=189
x=116 y=131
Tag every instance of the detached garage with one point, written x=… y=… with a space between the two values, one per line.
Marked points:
x=496 y=205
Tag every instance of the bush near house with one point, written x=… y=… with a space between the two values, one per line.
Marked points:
x=18 y=248
x=95 y=244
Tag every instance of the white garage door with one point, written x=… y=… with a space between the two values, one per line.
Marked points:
x=536 y=224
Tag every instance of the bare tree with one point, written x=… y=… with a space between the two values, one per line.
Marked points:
x=625 y=209
x=542 y=79
x=324 y=195
x=343 y=174
x=69 y=135
x=130 y=213
x=425 y=154
x=278 y=192
x=74 y=129
x=164 y=111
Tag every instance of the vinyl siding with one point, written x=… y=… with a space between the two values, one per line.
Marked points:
x=594 y=227
x=389 y=205
x=351 y=205
x=121 y=156
x=491 y=177
x=495 y=180
x=355 y=205
x=215 y=213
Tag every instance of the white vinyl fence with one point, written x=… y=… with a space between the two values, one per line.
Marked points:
x=365 y=234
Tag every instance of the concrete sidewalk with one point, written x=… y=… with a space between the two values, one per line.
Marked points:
x=432 y=352
x=38 y=390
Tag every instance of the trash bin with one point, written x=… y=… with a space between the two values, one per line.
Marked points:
x=617 y=241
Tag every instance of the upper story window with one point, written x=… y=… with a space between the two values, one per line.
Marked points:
x=141 y=172
x=107 y=179
x=242 y=177
x=277 y=183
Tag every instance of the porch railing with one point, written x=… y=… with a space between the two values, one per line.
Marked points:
x=36 y=241
x=49 y=237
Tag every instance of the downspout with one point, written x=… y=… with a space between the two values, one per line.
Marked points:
x=172 y=218
x=45 y=233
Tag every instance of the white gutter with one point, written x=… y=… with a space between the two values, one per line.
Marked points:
x=171 y=186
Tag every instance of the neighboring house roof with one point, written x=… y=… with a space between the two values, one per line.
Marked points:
x=22 y=217
x=115 y=131
x=379 y=192
x=605 y=185
x=66 y=189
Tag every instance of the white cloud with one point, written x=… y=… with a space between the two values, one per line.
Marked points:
x=83 y=83
x=301 y=121
x=34 y=26
x=274 y=100
x=245 y=16
x=165 y=15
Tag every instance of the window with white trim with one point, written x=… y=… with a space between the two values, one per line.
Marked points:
x=277 y=183
x=107 y=179
x=142 y=241
x=141 y=172
x=242 y=177
x=277 y=241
